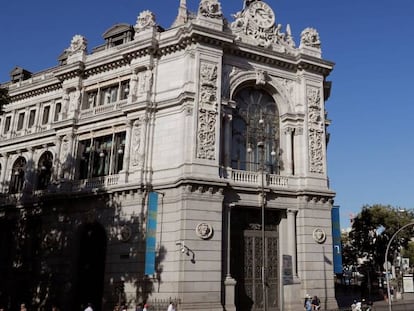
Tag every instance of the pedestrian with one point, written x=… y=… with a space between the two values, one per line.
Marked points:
x=139 y=307
x=171 y=306
x=89 y=307
x=55 y=308
x=23 y=307
x=316 y=303
x=146 y=306
x=353 y=306
x=308 y=303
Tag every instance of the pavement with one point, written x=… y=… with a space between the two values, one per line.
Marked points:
x=345 y=295
x=399 y=305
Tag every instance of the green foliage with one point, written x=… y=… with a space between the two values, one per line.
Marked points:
x=409 y=252
x=371 y=231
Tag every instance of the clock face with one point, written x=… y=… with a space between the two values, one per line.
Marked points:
x=261 y=14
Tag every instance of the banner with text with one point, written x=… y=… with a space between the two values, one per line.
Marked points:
x=151 y=233
x=336 y=237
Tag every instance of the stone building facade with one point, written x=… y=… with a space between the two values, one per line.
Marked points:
x=224 y=120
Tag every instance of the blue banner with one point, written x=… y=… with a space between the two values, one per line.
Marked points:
x=336 y=239
x=151 y=233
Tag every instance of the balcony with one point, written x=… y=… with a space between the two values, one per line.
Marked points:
x=98 y=110
x=95 y=183
x=249 y=178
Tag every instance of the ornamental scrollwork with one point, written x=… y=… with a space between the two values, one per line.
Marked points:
x=206 y=135
x=208 y=87
x=210 y=9
x=315 y=123
x=251 y=27
x=207 y=120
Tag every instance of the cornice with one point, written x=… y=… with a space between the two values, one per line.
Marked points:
x=92 y=69
x=69 y=71
x=36 y=91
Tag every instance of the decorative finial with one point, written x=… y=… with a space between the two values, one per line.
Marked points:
x=182 y=16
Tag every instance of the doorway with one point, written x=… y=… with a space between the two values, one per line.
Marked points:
x=90 y=266
x=246 y=260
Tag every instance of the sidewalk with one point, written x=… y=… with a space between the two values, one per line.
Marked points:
x=398 y=305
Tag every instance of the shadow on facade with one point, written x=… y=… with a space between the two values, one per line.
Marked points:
x=70 y=249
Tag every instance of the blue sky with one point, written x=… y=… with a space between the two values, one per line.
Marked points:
x=371 y=106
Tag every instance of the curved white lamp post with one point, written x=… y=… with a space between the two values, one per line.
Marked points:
x=386 y=263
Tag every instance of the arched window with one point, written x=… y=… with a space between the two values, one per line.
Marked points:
x=17 y=176
x=255 y=132
x=44 y=170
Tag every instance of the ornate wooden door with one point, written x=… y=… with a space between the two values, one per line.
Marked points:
x=253 y=286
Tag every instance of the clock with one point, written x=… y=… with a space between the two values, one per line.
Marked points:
x=261 y=14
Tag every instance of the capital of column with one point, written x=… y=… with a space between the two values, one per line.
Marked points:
x=291 y=211
x=129 y=123
x=288 y=130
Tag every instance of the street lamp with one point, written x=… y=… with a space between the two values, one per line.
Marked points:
x=261 y=148
x=386 y=263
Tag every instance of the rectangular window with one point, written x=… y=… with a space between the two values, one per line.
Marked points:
x=7 y=124
x=101 y=156
x=124 y=89
x=32 y=115
x=109 y=95
x=46 y=112
x=90 y=100
x=20 y=121
x=58 y=108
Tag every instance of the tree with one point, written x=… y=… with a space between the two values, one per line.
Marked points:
x=372 y=229
x=4 y=98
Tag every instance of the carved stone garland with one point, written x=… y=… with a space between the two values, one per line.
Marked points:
x=315 y=122
x=207 y=119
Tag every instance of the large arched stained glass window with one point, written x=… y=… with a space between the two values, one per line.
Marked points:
x=255 y=126
x=17 y=177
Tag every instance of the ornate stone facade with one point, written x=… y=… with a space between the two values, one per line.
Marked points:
x=220 y=120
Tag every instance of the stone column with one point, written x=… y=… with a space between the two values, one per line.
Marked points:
x=127 y=151
x=72 y=152
x=30 y=172
x=228 y=118
x=57 y=165
x=291 y=221
x=4 y=172
x=229 y=282
x=37 y=117
x=289 y=160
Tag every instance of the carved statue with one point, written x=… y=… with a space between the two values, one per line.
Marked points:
x=137 y=144
x=133 y=86
x=78 y=44
x=310 y=37
x=210 y=8
x=74 y=100
x=145 y=20
x=261 y=77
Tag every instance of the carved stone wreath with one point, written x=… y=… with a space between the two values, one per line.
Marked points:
x=125 y=233
x=204 y=230
x=319 y=235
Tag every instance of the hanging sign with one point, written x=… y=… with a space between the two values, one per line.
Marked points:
x=151 y=233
